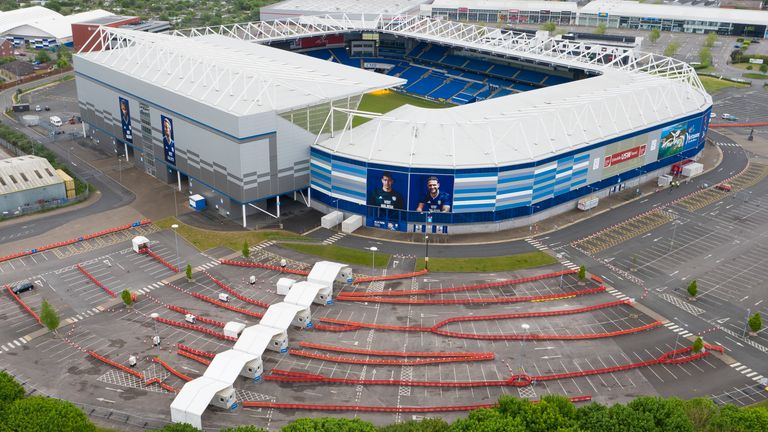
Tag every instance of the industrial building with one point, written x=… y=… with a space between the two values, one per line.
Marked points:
x=30 y=182
x=41 y=27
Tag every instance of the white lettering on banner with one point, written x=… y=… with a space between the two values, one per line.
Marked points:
x=596 y=164
x=692 y=138
x=653 y=145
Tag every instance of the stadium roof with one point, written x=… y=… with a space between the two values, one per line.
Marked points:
x=26 y=172
x=552 y=6
x=54 y=25
x=290 y=8
x=229 y=74
x=666 y=11
x=17 y=17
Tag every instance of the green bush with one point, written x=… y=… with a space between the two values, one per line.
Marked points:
x=749 y=67
x=10 y=390
x=42 y=414
x=329 y=424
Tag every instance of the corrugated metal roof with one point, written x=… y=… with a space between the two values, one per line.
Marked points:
x=18 y=17
x=26 y=172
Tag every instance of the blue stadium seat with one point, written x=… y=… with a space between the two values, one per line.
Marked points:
x=454 y=60
x=499 y=82
x=391 y=52
x=484 y=94
x=474 y=88
x=418 y=49
x=397 y=69
x=502 y=92
x=555 y=80
x=425 y=85
x=463 y=98
x=522 y=87
x=434 y=53
x=342 y=57
x=504 y=71
x=473 y=76
x=322 y=54
x=530 y=76
x=477 y=65
x=449 y=89
x=413 y=74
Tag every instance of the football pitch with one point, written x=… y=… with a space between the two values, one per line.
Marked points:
x=386 y=100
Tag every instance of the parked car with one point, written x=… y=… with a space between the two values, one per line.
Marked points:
x=37 y=108
x=47 y=108
x=23 y=286
x=729 y=117
x=712 y=115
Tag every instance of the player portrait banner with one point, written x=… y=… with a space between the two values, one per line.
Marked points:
x=169 y=144
x=125 y=120
x=431 y=193
x=387 y=189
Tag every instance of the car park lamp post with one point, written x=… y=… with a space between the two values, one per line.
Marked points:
x=176 y=238
x=156 y=337
x=373 y=250
x=426 y=252
x=522 y=346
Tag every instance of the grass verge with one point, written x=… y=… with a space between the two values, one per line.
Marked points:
x=204 y=239
x=387 y=100
x=754 y=75
x=713 y=85
x=487 y=264
x=354 y=257
x=762 y=404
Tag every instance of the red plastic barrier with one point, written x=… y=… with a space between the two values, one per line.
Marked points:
x=213 y=301
x=459 y=288
x=193 y=357
x=389 y=362
x=171 y=370
x=390 y=277
x=488 y=300
x=322 y=327
x=596 y=278
x=169 y=388
x=226 y=288
x=75 y=240
x=392 y=353
x=117 y=365
x=24 y=305
x=525 y=337
x=93 y=279
x=265 y=266
x=161 y=260
x=196 y=352
x=733 y=125
x=195 y=328
x=202 y=319
x=387 y=409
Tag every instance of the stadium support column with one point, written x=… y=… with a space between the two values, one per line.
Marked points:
x=309 y=197
x=126 y=151
x=178 y=179
x=244 y=225
x=278 y=207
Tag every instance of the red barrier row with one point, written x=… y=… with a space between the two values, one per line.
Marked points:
x=516 y=380
x=196 y=352
x=387 y=409
x=193 y=357
x=459 y=288
x=733 y=125
x=215 y=302
x=138 y=374
x=202 y=319
x=265 y=266
x=93 y=279
x=345 y=325
x=117 y=365
x=160 y=259
x=75 y=240
x=24 y=305
x=167 y=387
x=226 y=288
x=487 y=300
x=388 y=362
x=525 y=337
x=390 y=277
x=392 y=353
x=195 y=328
x=171 y=370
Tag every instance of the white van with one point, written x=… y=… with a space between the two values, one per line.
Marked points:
x=56 y=121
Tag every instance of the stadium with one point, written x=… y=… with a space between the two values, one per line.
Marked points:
x=498 y=128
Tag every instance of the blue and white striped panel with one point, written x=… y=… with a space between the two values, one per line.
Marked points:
x=544 y=181
x=320 y=172
x=474 y=192
x=514 y=188
x=348 y=182
x=580 y=170
x=563 y=175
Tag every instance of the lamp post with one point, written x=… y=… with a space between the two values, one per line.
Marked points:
x=176 y=238
x=373 y=250
x=426 y=252
x=674 y=229
x=156 y=337
x=522 y=347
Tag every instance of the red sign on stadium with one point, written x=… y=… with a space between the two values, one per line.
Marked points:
x=624 y=156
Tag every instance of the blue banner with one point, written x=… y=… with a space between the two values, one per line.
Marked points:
x=169 y=145
x=125 y=120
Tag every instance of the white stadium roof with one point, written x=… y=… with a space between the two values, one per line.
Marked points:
x=18 y=17
x=290 y=8
x=678 y=12
x=552 y=6
x=232 y=75
x=41 y=22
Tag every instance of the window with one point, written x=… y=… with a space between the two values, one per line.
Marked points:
x=38 y=174
x=2 y=182
x=13 y=179
x=50 y=174
x=24 y=177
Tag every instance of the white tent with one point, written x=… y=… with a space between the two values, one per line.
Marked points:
x=190 y=403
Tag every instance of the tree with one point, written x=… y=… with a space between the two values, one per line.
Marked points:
x=671 y=49
x=601 y=29
x=693 y=289
x=425 y=425
x=189 y=272
x=488 y=420
x=667 y=414
x=549 y=26
x=764 y=68
x=62 y=63
x=329 y=424
x=127 y=298
x=49 y=317
x=698 y=344
x=709 y=42
x=44 y=414
x=700 y=412
x=247 y=428
x=654 y=35
x=246 y=249
x=755 y=322
x=10 y=389
x=179 y=427
x=582 y=272
x=705 y=57
x=42 y=56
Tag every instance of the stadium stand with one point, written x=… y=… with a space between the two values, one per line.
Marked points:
x=413 y=73
x=473 y=88
x=449 y=89
x=478 y=65
x=454 y=60
x=342 y=57
x=434 y=53
x=504 y=71
x=530 y=76
x=426 y=85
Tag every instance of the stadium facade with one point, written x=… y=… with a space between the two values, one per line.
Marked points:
x=538 y=122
